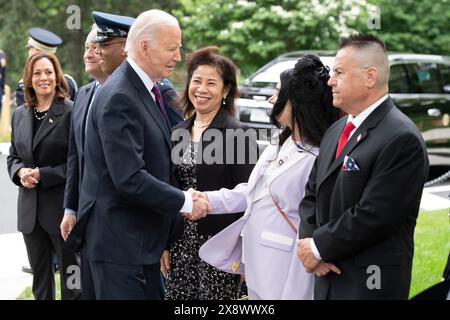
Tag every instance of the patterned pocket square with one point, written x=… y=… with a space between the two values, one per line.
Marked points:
x=349 y=164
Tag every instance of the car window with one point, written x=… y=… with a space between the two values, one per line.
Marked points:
x=445 y=73
x=425 y=77
x=398 y=80
x=272 y=73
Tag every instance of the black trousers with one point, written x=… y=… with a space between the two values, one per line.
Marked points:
x=126 y=282
x=87 y=282
x=40 y=247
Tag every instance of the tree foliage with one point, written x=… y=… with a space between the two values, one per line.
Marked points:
x=16 y=17
x=415 y=26
x=250 y=32
x=254 y=32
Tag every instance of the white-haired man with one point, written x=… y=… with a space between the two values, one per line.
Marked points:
x=127 y=200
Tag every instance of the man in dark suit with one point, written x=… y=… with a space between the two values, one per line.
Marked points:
x=75 y=162
x=363 y=195
x=127 y=200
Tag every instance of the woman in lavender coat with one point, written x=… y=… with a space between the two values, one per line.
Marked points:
x=262 y=244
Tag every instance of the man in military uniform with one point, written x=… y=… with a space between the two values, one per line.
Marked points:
x=111 y=38
x=2 y=76
x=42 y=40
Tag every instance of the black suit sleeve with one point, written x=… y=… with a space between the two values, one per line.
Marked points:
x=14 y=162
x=389 y=196
x=52 y=176
x=73 y=175
x=307 y=207
x=121 y=117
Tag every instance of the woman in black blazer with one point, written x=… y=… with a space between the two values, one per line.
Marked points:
x=37 y=164
x=204 y=163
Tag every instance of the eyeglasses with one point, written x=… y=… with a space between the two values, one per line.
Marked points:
x=103 y=45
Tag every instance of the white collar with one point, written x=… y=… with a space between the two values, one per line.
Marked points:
x=359 y=119
x=148 y=83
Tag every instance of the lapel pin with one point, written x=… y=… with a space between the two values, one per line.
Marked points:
x=235 y=266
x=358 y=138
x=50 y=120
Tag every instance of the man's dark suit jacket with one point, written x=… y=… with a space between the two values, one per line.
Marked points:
x=215 y=176
x=367 y=217
x=75 y=157
x=126 y=199
x=48 y=151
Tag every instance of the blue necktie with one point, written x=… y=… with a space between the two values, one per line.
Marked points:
x=89 y=107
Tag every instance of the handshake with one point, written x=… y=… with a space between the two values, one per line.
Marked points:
x=201 y=206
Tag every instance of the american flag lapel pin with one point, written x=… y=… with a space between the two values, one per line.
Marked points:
x=50 y=120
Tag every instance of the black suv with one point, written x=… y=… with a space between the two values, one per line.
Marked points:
x=419 y=85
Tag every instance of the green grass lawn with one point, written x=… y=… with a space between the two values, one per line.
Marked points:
x=432 y=245
x=5 y=137
x=28 y=295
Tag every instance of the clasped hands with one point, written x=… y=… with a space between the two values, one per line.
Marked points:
x=201 y=206
x=310 y=262
x=29 y=178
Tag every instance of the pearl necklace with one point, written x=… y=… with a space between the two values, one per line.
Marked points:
x=41 y=117
x=196 y=123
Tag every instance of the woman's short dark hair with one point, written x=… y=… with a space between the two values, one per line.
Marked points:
x=311 y=98
x=61 y=84
x=210 y=56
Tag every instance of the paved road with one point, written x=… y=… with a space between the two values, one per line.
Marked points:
x=12 y=247
x=8 y=200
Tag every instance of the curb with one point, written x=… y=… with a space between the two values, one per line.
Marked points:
x=4 y=148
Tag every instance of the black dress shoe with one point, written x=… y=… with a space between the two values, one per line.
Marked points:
x=27 y=270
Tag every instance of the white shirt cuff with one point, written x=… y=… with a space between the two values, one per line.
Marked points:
x=70 y=211
x=314 y=250
x=188 y=203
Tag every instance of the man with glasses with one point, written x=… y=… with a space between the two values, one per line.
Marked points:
x=111 y=37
